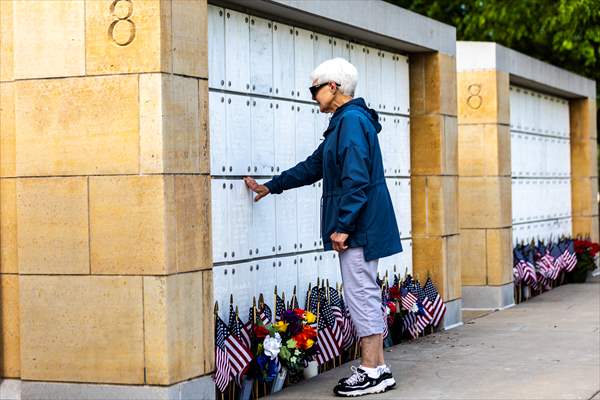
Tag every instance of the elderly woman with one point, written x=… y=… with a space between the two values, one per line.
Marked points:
x=357 y=216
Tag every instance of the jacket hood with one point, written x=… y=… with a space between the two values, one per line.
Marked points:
x=354 y=104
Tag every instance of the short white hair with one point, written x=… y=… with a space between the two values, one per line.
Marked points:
x=337 y=70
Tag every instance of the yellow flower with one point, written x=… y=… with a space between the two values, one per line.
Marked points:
x=281 y=326
x=309 y=343
x=310 y=317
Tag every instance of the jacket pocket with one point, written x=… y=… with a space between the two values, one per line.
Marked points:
x=329 y=214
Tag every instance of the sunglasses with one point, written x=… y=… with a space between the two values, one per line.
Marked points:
x=314 y=89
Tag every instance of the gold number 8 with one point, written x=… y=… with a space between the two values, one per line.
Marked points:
x=122 y=10
x=474 y=100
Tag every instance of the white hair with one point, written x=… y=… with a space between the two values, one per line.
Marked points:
x=337 y=70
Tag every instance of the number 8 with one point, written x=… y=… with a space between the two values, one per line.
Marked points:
x=124 y=19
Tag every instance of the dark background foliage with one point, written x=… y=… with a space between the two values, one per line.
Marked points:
x=565 y=33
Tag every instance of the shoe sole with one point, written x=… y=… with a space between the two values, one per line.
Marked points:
x=379 y=388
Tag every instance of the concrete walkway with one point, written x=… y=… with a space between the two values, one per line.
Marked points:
x=545 y=348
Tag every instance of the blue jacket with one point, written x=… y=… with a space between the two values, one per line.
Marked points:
x=355 y=196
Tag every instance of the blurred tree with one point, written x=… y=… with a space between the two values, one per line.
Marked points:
x=565 y=33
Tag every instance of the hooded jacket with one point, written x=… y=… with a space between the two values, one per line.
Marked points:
x=355 y=196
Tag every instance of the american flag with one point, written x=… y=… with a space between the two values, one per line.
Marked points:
x=263 y=312
x=520 y=266
x=407 y=298
x=408 y=324
x=279 y=307
x=335 y=301
x=529 y=269
x=328 y=311
x=546 y=262
x=438 y=306
x=237 y=328
x=238 y=354
x=328 y=339
x=348 y=330
x=312 y=300
x=569 y=256
x=557 y=254
x=294 y=300
x=425 y=306
x=384 y=308
x=222 y=375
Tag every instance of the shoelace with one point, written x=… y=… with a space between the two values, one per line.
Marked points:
x=356 y=376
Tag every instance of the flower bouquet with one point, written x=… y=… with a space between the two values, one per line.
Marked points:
x=287 y=344
x=268 y=346
x=586 y=251
x=298 y=338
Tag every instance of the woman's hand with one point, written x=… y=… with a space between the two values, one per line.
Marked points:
x=262 y=190
x=337 y=241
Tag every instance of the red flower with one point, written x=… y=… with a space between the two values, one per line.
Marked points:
x=299 y=312
x=392 y=307
x=309 y=332
x=260 y=331
x=394 y=293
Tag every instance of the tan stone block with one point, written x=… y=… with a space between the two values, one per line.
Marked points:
x=52 y=221
x=499 y=256
x=582 y=119
x=49 y=38
x=204 y=127
x=193 y=222
x=173 y=325
x=438 y=134
x=77 y=126
x=10 y=354
x=484 y=202
x=190 y=37
x=584 y=193
x=128 y=225
x=6 y=41
x=7 y=129
x=593 y=124
x=8 y=226
x=432 y=79
x=170 y=124
x=584 y=158
x=447 y=85
x=434 y=205
x=208 y=326
x=586 y=226
x=453 y=259
x=127 y=36
x=484 y=150
x=473 y=256
x=82 y=329
x=483 y=97
x=438 y=256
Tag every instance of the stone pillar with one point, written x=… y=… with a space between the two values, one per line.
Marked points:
x=105 y=197
x=584 y=167
x=434 y=180
x=484 y=167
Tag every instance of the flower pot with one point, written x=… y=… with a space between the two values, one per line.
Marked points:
x=311 y=370
x=279 y=380
x=578 y=275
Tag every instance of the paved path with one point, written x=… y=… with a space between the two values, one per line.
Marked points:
x=545 y=348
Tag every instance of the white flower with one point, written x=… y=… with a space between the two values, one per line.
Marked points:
x=272 y=345
x=293 y=359
x=387 y=310
x=415 y=308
